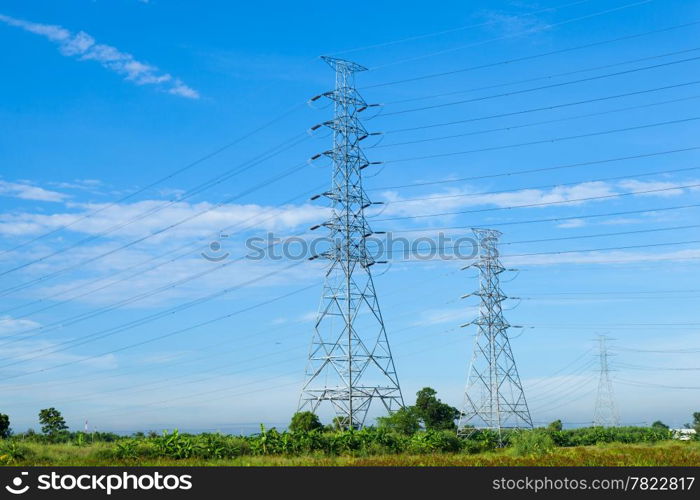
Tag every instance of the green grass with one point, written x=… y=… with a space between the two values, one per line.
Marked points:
x=650 y=454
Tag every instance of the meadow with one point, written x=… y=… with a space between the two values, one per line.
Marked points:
x=594 y=446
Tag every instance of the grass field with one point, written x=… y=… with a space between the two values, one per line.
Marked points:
x=662 y=453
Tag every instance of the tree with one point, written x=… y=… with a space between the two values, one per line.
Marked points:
x=52 y=422
x=5 y=430
x=404 y=421
x=659 y=425
x=435 y=414
x=305 y=421
x=555 y=426
x=696 y=421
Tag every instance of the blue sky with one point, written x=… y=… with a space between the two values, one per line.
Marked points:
x=103 y=99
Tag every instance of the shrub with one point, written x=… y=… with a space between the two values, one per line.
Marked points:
x=531 y=442
x=12 y=451
x=305 y=421
x=404 y=421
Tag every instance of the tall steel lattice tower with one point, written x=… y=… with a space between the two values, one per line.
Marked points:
x=350 y=362
x=605 y=409
x=494 y=397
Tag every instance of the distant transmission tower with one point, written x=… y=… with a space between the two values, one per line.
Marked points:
x=494 y=398
x=350 y=362
x=605 y=410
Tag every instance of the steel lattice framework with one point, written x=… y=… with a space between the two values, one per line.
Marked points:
x=605 y=409
x=494 y=397
x=350 y=362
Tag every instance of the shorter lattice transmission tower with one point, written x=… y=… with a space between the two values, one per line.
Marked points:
x=605 y=409
x=494 y=397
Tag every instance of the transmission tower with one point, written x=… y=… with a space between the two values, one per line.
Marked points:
x=605 y=410
x=494 y=397
x=350 y=362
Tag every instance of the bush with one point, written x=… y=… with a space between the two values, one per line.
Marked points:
x=305 y=421
x=11 y=451
x=404 y=421
x=588 y=436
x=5 y=430
x=531 y=442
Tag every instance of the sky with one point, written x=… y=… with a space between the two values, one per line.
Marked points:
x=137 y=133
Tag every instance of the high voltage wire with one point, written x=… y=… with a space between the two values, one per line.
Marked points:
x=601 y=235
x=541 y=108
x=567 y=366
x=541 y=122
x=155 y=183
x=451 y=30
x=187 y=246
x=545 y=186
x=546 y=141
x=81 y=378
x=536 y=56
x=556 y=407
x=41 y=330
x=654 y=368
x=542 y=169
x=511 y=35
x=649 y=245
x=190 y=397
x=556 y=219
x=545 y=77
x=169 y=379
x=543 y=204
x=650 y=384
x=623 y=292
x=120 y=328
x=155 y=233
x=147 y=319
x=158 y=208
x=541 y=87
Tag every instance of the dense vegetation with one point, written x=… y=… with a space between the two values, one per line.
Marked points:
x=425 y=429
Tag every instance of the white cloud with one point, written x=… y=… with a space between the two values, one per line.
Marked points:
x=84 y=47
x=10 y=325
x=162 y=215
x=440 y=316
x=572 y=223
x=603 y=257
x=26 y=191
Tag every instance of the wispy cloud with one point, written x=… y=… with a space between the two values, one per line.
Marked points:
x=84 y=47
x=26 y=191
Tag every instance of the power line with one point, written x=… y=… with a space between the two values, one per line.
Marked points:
x=543 y=204
x=114 y=330
x=512 y=35
x=156 y=182
x=140 y=272
x=158 y=208
x=547 y=141
x=603 y=235
x=541 y=122
x=545 y=77
x=648 y=245
x=447 y=31
x=541 y=108
x=536 y=56
x=154 y=233
x=542 y=87
x=545 y=186
x=543 y=169
x=649 y=384
x=557 y=219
